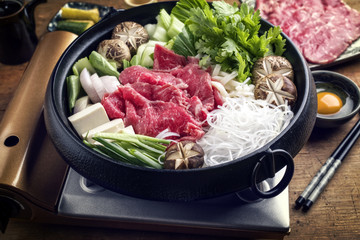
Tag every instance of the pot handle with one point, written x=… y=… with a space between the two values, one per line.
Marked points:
x=30 y=9
x=272 y=154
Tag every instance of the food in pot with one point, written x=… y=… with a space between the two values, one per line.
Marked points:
x=240 y=126
x=184 y=155
x=131 y=33
x=276 y=89
x=89 y=118
x=193 y=90
x=114 y=50
x=82 y=103
x=152 y=101
x=269 y=65
x=131 y=148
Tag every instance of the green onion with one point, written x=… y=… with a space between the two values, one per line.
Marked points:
x=135 y=149
x=145 y=159
x=129 y=137
x=155 y=145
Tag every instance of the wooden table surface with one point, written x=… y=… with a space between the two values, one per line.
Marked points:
x=336 y=214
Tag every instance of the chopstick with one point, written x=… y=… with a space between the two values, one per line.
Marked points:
x=327 y=171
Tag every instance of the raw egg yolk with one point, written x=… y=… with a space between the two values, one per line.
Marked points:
x=328 y=103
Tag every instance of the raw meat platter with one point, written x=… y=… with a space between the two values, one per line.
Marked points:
x=301 y=12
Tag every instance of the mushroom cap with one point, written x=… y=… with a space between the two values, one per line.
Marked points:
x=131 y=33
x=184 y=155
x=269 y=65
x=276 y=89
x=114 y=49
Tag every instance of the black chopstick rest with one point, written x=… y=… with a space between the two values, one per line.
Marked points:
x=327 y=171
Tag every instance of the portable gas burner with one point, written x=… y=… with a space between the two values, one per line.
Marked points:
x=37 y=184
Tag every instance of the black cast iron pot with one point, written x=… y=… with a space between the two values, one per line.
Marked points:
x=179 y=185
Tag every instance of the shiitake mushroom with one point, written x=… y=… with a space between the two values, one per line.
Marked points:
x=184 y=155
x=131 y=33
x=276 y=89
x=271 y=65
x=114 y=50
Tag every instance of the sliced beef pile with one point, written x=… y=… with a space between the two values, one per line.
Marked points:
x=175 y=95
x=321 y=29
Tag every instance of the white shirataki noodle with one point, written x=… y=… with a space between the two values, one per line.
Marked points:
x=166 y=134
x=241 y=126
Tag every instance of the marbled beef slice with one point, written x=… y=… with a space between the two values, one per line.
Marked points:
x=321 y=29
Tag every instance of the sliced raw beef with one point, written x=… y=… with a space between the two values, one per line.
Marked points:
x=165 y=93
x=177 y=98
x=151 y=117
x=199 y=84
x=197 y=109
x=141 y=74
x=321 y=29
x=114 y=105
x=166 y=60
x=219 y=100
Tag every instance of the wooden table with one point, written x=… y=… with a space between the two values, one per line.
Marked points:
x=336 y=214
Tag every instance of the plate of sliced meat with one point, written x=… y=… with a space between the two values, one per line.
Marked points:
x=325 y=31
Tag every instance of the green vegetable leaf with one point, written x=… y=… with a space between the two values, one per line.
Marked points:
x=183 y=7
x=223 y=9
x=175 y=27
x=184 y=43
x=203 y=24
x=250 y=19
x=164 y=19
x=276 y=42
x=229 y=35
x=224 y=34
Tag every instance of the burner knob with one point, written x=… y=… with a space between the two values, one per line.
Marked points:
x=8 y=209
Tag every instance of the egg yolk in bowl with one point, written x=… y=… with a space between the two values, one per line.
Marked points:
x=328 y=103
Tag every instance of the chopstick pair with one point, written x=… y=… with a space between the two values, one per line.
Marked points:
x=327 y=171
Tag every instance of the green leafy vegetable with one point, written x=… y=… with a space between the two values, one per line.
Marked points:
x=175 y=27
x=229 y=35
x=160 y=34
x=167 y=27
x=182 y=8
x=184 y=43
x=164 y=19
